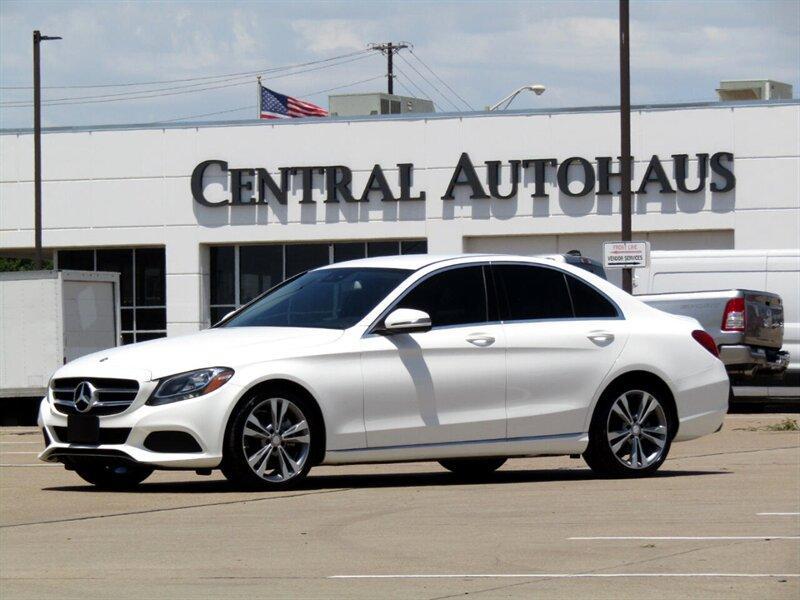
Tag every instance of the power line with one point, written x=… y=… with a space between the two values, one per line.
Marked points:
x=250 y=106
x=144 y=94
x=440 y=79
x=207 y=77
x=219 y=112
x=419 y=90
x=450 y=102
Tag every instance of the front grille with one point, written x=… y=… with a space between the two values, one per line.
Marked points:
x=108 y=435
x=113 y=395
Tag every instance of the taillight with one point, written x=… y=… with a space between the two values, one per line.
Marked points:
x=706 y=341
x=733 y=319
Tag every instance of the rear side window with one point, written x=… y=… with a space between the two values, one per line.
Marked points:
x=453 y=297
x=587 y=301
x=533 y=292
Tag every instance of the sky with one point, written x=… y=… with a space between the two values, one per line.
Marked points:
x=481 y=50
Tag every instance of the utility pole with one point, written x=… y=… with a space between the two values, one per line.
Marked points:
x=625 y=133
x=37 y=147
x=389 y=49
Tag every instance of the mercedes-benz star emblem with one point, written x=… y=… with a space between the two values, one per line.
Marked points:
x=84 y=396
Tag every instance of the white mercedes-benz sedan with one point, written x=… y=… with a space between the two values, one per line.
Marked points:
x=467 y=360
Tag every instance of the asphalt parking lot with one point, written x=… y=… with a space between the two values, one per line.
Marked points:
x=722 y=519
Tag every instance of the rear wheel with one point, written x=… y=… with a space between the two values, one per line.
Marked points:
x=112 y=475
x=631 y=432
x=473 y=467
x=268 y=445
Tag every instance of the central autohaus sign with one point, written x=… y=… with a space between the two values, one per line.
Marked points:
x=251 y=184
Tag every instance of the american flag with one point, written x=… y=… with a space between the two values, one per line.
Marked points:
x=277 y=106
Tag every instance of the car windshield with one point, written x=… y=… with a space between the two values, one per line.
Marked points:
x=327 y=298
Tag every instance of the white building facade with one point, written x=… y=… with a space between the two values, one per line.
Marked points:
x=200 y=218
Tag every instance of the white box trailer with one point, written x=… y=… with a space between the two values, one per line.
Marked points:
x=48 y=318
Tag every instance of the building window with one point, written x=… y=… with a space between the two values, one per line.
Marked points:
x=142 y=283
x=240 y=273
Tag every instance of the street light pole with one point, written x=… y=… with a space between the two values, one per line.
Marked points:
x=537 y=89
x=625 y=133
x=37 y=147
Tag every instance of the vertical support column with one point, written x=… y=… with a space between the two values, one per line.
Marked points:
x=186 y=270
x=445 y=237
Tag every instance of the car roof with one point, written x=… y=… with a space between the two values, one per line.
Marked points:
x=420 y=261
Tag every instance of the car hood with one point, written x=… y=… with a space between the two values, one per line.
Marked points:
x=222 y=347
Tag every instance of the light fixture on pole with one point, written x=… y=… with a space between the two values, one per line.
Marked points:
x=537 y=89
x=37 y=146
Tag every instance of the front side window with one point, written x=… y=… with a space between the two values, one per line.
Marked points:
x=326 y=298
x=453 y=297
x=533 y=292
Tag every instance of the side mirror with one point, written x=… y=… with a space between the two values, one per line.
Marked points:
x=406 y=320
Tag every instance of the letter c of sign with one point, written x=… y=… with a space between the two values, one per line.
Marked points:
x=197 y=182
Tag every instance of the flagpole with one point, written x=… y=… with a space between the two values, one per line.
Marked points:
x=258 y=96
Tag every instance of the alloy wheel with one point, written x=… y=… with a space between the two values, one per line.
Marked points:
x=637 y=429
x=276 y=440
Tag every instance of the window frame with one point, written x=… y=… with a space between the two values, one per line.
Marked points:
x=134 y=306
x=491 y=310
x=504 y=306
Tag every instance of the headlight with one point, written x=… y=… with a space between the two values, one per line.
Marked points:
x=189 y=385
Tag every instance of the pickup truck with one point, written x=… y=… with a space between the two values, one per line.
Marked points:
x=747 y=325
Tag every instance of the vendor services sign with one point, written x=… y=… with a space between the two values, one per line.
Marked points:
x=631 y=255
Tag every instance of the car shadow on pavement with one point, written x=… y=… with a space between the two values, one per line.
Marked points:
x=381 y=480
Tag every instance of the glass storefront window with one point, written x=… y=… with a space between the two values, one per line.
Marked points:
x=223 y=264
x=119 y=261
x=349 y=251
x=78 y=260
x=302 y=257
x=260 y=268
x=142 y=282
x=383 y=248
x=150 y=279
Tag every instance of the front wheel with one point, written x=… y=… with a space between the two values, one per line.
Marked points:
x=112 y=475
x=473 y=467
x=631 y=432
x=268 y=445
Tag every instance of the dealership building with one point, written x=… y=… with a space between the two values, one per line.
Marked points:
x=199 y=218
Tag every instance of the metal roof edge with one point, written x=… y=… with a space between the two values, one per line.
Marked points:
x=401 y=117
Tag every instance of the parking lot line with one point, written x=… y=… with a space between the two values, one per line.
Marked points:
x=32 y=465
x=21 y=443
x=678 y=538
x=777 y=514
x=4 y=453
x=561 y=575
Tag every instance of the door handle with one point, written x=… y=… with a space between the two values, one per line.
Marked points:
x=601 y=338
x=480 y=339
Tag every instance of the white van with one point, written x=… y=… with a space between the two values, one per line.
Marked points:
x=776 y=271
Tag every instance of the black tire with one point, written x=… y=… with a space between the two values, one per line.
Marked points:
x=473 y=467
x=235 y=465
x=112 y=475
x=600 y=455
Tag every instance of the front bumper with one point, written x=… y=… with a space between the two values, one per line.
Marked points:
x=203 y=418
x=741 y=359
